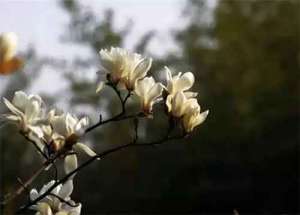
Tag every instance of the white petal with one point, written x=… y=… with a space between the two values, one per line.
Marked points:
x=144 y=86
x=155 y=92
x=178 y=104
x=44 y=208
x=46 y=187
x=142 y=68
x=20 y=100
x=202 y=117
x=168 y=103
x=33 y=194
x=185 y=82
x=71 y=123
x=12 y=108
x=10 y=117
x=168 y=74
x=81 y=125
x=100 y=86
x=190 y=94
x=59 y=124
x=32 y=111
x=66 y=189
x=70 y=163
x=84 y=148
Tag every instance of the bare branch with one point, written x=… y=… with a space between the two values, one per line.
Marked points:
x=64 y=201
x=91 y=160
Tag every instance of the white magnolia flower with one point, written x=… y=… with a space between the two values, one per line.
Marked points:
x=178 y=83
x=52 y=204
x=27 y=112
x=148 y=92
x=66 y=131
x=8 y=45
x=193 y=118
x=180 y=103
x=188 y=110
x=137 y=68
x=123 y=66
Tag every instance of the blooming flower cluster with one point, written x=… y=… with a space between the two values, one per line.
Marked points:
x=58 y=135
x=58 y=202
x=123 y=68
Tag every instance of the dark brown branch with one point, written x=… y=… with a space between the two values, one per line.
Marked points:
x=23 y=187
x=50 y=161
x=91 y=160
x=64 y=201
x=119 y=117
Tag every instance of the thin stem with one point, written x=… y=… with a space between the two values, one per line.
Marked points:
x=118 y=117
x=91 y=160
x=23 y=186
x=64 y=201
x=35 y=145
x=50 y=161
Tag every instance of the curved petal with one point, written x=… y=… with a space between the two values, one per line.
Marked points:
x=10 y=117
x=46 y=187
x=44 y=208
x=168 y=74
x=142 y=68
x=59 y=124
x=33 y=194
x=66 y=189
x=168 y=103
x=190 y=94
x=70 y=163
x=202 y=117
x=20 y=100
x=84 y=148
x=12 y=108
x=185 y=82
x=177 y=104
x=81 y=125
x=144 y=86
x=100 y=86
x=71 y=123
x=154 y=92
x=32 y=111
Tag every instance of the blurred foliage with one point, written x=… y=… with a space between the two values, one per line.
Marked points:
x=246 y=59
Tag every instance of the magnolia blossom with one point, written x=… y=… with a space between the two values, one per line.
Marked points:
x=65 y=132
x=193 y=118
x=178 y=83
x=148 y=91
x=180 y=104
x=27 y=112
x=52 y=204
x=188 y=110
x=123 y=67
x=8 y=45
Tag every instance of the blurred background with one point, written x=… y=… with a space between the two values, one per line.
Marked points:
x=245 y=55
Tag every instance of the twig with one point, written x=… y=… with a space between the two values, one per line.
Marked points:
x=64 y=201
x=23 y=187
x=91 y=160
x=50 y=161
x=119 y=117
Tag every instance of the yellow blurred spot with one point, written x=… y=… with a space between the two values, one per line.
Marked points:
x=9 y=63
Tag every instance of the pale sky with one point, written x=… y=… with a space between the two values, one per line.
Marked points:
x=42 y=22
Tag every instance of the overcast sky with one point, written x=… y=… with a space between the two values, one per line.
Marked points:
x=42 y=22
